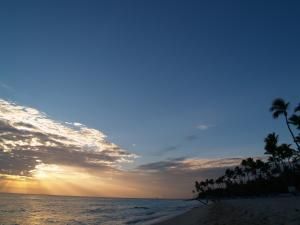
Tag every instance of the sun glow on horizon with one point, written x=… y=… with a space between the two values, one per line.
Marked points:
x=45 y=171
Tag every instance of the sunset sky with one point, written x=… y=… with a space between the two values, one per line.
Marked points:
x=139 y=98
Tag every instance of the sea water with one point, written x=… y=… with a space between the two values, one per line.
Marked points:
x=41 y=209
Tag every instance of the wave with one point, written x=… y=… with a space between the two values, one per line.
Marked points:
x=62 y=210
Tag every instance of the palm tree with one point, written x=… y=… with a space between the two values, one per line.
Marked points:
x=197 y=186
x=211 y=182
x=259 y=167
x=295 y=120
x=275 y=165
x=285 y=152
x=265 y=169
x=271 y=143
x=280 y=107
x=297 y=109
x=206 y=184
x=279 y=153
x=219 y=181
x=203 y=185
x=244 y=163
x=229 y=174
x=239 y=173
x=249 y=166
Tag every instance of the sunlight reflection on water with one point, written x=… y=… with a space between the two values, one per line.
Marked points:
x=36 y=209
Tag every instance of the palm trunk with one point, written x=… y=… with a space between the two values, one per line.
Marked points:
x=294 y=138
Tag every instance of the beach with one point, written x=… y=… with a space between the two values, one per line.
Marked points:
x=283 y=210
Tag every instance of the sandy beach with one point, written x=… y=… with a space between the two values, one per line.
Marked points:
x=284 y=210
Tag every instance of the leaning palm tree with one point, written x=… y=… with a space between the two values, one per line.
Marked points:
x=295 y=120
x=297 y=109
x=279 y=107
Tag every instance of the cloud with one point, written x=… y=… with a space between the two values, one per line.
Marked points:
x=189 y=164
x=29 y=138
x=191 y=137
x=176 y=177
x=203 y=127
x=167 y=149
x=188 y=138
x=171 y=148
x=6 y=87
x=32 y=143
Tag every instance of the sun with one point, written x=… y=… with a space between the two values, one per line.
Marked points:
x=48 y=171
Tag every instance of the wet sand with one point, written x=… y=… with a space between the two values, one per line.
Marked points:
x=284 y=210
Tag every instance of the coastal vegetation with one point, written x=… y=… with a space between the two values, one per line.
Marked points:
x=277 y=172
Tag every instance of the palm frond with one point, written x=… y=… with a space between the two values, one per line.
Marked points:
x=276 y=114
x=297 y=109
x=279 y=105
x=295 y=120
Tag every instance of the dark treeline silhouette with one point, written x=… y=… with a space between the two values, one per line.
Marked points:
x=279 y=173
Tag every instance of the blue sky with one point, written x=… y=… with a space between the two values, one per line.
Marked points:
x=149 y=74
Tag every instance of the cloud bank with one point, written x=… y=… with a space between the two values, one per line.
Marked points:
x=29 y=138
x=189 y=164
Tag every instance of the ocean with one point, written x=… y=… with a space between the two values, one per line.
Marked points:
x=61 y=210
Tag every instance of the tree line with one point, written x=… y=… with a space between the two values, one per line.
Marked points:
x=278 y=173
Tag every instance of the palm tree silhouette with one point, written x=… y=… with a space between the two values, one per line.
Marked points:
x=211 y=182
x=250 y=166
x=203 y=184
x=229 y=174
x=265 y=169
x=271 y=143
x=259 y=166
x=247 y=170
x=286 y=153
x=275 y=175
x=219 y=181
x=279 y=107
x=295 y=120
x=239 y=173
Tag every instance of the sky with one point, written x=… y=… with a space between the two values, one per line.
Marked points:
x=139 y=93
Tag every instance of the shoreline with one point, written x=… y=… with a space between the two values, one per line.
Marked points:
x=162 y=220
x=186 y=218
x=242 y=211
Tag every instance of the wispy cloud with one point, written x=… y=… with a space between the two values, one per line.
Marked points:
x=6 y=86
x=162 y=176
x=171 y=148
x=29 y=138
x=192 y=137
x=203 y=126
x=190 y=164
x=189 y=138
